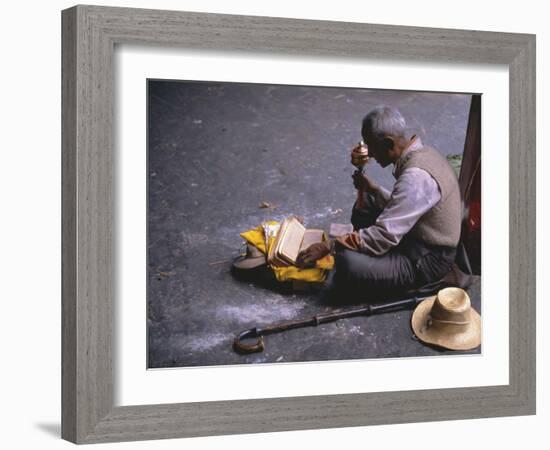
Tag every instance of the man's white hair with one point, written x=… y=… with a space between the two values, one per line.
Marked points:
x=384 y=121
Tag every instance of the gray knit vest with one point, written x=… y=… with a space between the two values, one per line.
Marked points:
x=441 y=224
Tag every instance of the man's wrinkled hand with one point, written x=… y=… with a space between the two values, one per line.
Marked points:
x=307 y=257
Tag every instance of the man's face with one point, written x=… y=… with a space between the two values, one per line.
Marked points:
x=378 y=149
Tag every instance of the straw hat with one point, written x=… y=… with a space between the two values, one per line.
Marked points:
x=448 y=320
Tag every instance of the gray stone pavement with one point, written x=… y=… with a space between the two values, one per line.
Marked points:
x=216 y=151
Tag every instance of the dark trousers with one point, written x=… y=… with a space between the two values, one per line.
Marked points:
x=409 y=266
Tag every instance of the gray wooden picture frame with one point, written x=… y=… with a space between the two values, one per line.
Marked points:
x=89 y=37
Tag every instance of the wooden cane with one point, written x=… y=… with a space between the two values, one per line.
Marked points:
x=255 y=336
x=359 y=157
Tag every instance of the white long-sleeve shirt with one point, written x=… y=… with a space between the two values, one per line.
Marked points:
x=414 y=193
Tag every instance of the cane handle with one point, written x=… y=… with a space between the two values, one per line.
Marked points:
x=255 y=347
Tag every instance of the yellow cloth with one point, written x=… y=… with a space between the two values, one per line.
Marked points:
x=256 y=237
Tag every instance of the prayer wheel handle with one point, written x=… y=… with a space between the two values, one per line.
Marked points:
x=359 y=158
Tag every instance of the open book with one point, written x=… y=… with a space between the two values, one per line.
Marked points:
x=291 y=239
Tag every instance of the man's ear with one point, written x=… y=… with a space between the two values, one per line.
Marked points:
x=387 y=143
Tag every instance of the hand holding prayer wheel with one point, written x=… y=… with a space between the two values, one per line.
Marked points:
x=359 y=157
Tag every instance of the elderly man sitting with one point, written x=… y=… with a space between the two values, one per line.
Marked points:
x=403 y=239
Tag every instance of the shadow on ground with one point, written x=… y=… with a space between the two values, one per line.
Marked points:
x=52 y=429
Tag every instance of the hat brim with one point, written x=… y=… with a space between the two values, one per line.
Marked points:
x=242 y=262
x=469 y=339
